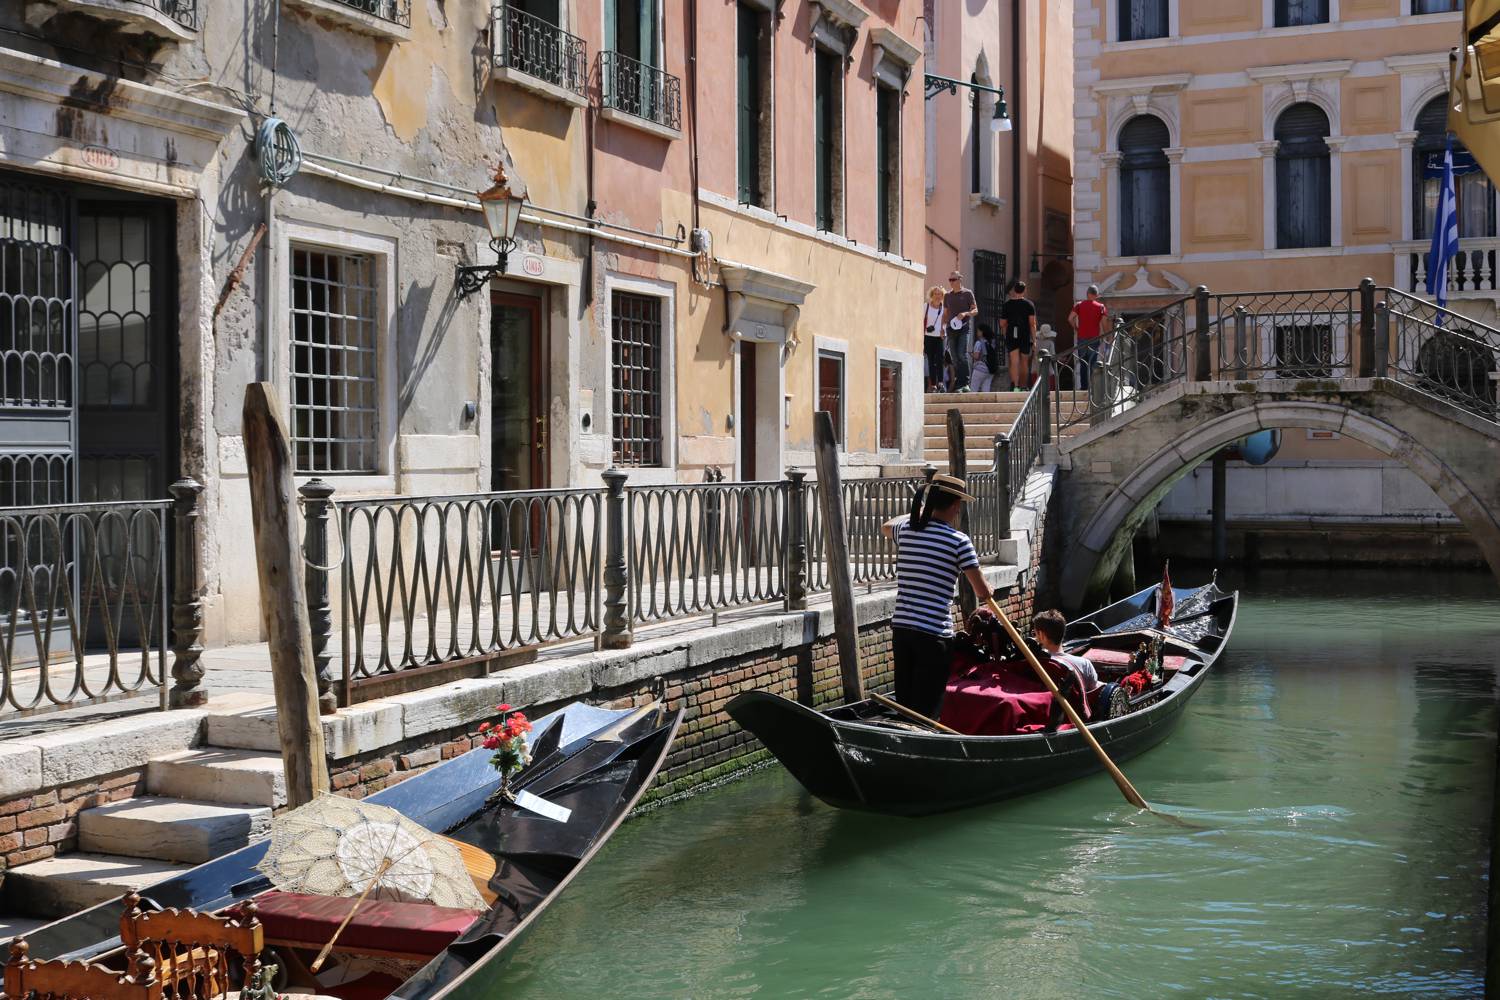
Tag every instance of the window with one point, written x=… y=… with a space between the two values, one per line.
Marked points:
x=1145 y=188
x=1295 y=13
x=828 y=100
x=753 y=105
x=530 y=41
x=1304 y=350
x=1303 y=199
x=890 y=405
x=1473 y=190
x=1143 y=19
x=636 y=353
x=888 y=169
x=976 y=145
x=989 y=286
x=335 y=365
x=831 y=390
x=1436 y=6
x=630 y=74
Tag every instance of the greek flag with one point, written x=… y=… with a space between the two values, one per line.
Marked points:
x=1444 y=233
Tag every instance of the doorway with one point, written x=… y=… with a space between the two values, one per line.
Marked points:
x=518 y=393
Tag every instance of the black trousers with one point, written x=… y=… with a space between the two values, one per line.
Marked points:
x=923 y=661
x=933 y=347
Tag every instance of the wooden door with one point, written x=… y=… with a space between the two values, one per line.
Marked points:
x=518 y=394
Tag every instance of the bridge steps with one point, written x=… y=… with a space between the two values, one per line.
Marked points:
x=985 y=414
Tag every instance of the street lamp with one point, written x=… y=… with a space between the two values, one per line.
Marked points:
x=1001 y=121
x=502 y=213
x=933 y=84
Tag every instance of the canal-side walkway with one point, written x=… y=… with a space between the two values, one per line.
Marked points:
x=91 y=810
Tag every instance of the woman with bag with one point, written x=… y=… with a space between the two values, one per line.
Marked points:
x=932 y=338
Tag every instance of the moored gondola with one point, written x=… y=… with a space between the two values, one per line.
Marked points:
x=589 y=766
x=865 y=756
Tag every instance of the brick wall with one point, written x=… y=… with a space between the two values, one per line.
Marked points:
x=35 y=827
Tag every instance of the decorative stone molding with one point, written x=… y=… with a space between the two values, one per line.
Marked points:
x=1424 y=62
x=1144 y=86
x=1301 y=72
x=132 y=17
x=764 y=306
x=894 y=58
x=836 y=23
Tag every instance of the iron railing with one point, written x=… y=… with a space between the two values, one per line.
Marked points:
x=635 y=88
x=868 y=505
x=1097 y=379
x=83 y=603
x=1438 y=351
x=1304 y=334
x=395 y=11
x=184 y=12
x=535 y=46
x=429 y=581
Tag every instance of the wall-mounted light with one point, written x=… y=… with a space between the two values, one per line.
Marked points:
x=1001 y=121
x=1035 y=264
x=502 y=213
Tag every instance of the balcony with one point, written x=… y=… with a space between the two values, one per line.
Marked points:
x=538 y=56
x=1471 y=275
x=385 y=19
x=638 y=95
x=174 y=20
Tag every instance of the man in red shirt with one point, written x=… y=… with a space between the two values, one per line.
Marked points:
x=1087 y=320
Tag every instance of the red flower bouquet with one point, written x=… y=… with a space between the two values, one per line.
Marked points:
x=507 y=738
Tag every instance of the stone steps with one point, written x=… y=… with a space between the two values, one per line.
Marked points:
x=220 y=774
x=66 y=884
x=166 y=829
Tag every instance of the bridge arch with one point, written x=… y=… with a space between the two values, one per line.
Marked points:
x=1105 y=534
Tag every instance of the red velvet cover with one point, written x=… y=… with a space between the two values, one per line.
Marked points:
x=380 y=925
x=995 y=699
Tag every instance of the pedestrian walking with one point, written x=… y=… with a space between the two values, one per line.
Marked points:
x=1087 y=321
x=930 y=554
x=1018 y=320
x=959 y=309
x=932 y=338
x=986 y=356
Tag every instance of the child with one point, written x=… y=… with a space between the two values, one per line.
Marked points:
x=930 y=554
x=986 y=359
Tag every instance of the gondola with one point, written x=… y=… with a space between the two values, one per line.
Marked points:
x=864 y=756
x=592 y=761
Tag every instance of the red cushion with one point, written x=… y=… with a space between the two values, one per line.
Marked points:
x=379 y=925
x=1121 y=658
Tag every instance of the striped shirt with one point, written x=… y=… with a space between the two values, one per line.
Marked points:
x=928 y=562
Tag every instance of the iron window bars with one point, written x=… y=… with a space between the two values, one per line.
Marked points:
x=636 y=350
x=334 y=338
x=537 y=47
x=635 y=88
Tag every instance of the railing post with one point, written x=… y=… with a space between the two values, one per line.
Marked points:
x=316 y=508
x=1047 y=363
x=796 y=562
x=617 y=633
x=1202 y=362
x=1366 y=327
x=1380 y=357
x=187 y=598
x=1002 y=471
x=1241 y=357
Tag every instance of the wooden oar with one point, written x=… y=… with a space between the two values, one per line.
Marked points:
x=1126 y=788
x=909 y=713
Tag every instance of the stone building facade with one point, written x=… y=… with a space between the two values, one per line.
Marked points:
x=1269 y=145
x=722 y=234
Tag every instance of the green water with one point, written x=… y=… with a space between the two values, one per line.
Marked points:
x=1341 y=760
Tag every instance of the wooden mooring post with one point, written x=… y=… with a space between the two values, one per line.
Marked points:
x=283 y=594
x=836 y=549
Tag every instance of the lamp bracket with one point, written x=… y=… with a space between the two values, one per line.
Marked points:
x=470 y=278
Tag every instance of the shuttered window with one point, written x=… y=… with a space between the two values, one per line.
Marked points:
x=828 y=108
x=1294 y=13
x=1472 y=189
x=888 y=169
x=1145 y=188
x=1303 y=186
x=831 y=390
x=752 y=89
x=1143 y=19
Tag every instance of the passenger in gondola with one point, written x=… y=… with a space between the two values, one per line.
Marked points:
x=931 y=553
x=1049 y=627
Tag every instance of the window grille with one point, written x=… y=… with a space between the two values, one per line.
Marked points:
x=890 y=405
x=335 y=379
x=989 y=286
x=1145 y=188
x=636 y=352
x=831 y=390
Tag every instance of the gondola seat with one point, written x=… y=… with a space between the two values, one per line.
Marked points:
x=380 y=927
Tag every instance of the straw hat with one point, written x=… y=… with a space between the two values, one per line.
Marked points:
x=953 y=485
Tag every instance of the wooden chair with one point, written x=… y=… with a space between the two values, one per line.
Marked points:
x=51 y=979
x=190 y=950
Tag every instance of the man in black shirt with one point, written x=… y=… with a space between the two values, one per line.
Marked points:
x=1018 y=322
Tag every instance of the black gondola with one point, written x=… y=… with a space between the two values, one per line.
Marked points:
x=595 y=762
x=865 y=756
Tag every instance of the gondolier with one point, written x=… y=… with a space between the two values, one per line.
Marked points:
x=931 y=553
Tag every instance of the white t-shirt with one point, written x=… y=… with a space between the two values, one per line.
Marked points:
x=932 y=326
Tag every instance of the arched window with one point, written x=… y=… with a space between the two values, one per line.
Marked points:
x=1143 y=19
x=1303 y=197
x=1474 y=192
x=1292 y=13
x=976 y=140
x=1145 y=188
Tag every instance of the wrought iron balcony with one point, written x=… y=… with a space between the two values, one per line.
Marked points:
x=641 y=91
x=395 y=11
x=170 y=19
x=537 y=49
x=184 y=12
x=384 y=19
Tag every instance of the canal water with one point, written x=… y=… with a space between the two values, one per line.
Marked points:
x=1341 y=762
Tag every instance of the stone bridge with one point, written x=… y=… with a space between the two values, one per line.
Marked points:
x=1147 y=431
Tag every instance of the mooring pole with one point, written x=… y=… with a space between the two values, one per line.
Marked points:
x=1220 y=519
x=836 y=542
x=283 y=594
